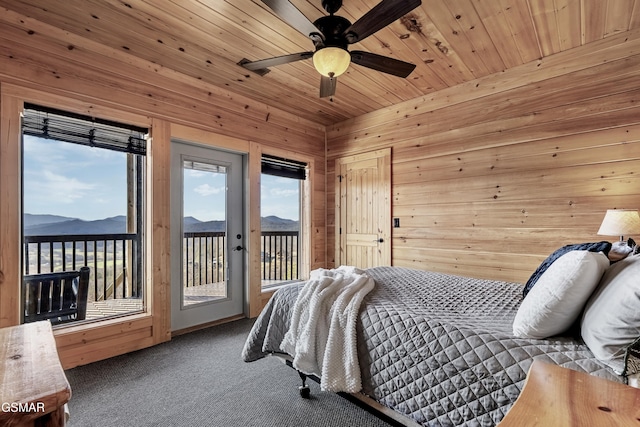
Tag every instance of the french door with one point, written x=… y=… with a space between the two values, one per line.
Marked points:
x=207 y=235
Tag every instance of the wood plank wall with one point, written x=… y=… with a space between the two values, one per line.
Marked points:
x=40 y=63
x=491 y=176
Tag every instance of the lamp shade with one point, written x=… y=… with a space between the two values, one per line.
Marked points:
x=620 y=222
x=331 y=61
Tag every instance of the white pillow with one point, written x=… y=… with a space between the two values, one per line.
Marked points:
x=560 y=294
x=611 y=320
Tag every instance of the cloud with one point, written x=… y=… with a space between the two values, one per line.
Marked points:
x=64 y=189
x=73 y=180
x=52 y=152
x=208 y=190
x=282 y=192
x=194 y=173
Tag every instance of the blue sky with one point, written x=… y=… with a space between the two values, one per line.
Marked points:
x=89 y=183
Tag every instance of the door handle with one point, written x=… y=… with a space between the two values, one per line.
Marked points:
x=380 y=240
x=238 y=248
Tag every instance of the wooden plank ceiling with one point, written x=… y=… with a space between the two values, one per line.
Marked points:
x=451 y=41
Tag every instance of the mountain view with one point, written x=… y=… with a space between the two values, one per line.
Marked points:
x=51 y=225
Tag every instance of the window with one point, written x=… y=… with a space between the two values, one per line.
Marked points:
x=280 y=201
x=82 y=206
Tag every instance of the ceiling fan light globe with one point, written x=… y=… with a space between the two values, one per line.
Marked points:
x=331 y=61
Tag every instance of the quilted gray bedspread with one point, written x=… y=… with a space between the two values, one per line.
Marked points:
x=435 y=347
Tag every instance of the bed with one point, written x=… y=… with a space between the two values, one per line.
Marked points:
x=437 y=349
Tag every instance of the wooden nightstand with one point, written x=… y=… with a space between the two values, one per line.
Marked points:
x=561 y=397
x=33 y=386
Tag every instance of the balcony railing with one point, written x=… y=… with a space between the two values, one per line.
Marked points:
x=114 y=259
x=205 y=256
x=116 y=263
x=280 y=256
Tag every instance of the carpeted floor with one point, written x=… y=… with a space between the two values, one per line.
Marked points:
x=199 y=379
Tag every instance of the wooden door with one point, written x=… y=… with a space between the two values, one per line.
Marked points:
x=363 y=209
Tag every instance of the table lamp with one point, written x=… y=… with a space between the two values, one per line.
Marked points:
x=620 y=222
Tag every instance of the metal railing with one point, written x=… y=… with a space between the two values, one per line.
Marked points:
x=116 y=262
x=280 y=256
x=114 y=259
x=205 y=256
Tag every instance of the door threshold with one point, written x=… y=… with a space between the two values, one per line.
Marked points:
x=207 y=325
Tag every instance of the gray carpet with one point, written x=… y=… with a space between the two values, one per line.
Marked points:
x=199 y=379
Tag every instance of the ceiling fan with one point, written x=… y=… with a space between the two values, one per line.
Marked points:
x=331 y=36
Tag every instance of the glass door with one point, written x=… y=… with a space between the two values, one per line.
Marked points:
x=207 y=229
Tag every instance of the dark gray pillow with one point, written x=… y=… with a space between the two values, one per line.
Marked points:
x=632 y=358
x=591 y=247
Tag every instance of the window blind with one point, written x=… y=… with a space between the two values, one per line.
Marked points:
x=50 y=123
x=286 y=168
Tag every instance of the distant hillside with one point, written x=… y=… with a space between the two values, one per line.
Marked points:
x=269 y=223
x=191 y=220
x=30 y=220
x=113 y=225
x=52 y=225
x=274 y=223
x=192 y=225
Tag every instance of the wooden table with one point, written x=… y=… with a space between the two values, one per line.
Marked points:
x=561 y=397
x=33 y=386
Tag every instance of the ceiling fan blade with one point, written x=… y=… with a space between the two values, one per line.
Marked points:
x=272 y=62
x=382 y=63
x=328 y=86
x=383 y=14
x=292 y=16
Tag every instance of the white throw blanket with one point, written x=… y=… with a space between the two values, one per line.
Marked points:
x=322 y=334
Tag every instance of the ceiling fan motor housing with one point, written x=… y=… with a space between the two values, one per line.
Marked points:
x=332 y=28
x=331 y=6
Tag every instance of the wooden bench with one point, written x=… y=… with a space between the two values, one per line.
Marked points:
x=34 y=388
x=561 y=397
x=59 y=297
